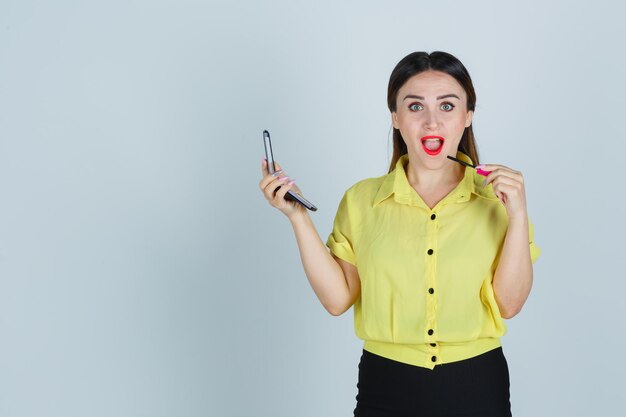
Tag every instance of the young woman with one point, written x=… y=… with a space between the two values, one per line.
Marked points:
x=432 y=255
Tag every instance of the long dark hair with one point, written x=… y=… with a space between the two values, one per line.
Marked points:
x=415 y=63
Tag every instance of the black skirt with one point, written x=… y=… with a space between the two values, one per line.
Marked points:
x=477 y=386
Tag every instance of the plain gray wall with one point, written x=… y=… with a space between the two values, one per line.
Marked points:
x=142 y=272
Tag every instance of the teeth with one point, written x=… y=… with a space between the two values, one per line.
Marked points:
x=432 y=140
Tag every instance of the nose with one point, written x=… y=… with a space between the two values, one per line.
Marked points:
x=431 y=122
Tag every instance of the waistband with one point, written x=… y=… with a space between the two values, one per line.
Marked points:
x=428 y=356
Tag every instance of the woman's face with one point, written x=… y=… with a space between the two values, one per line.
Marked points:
x=431 y=103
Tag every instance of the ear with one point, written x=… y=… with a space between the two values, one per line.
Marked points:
x=468 y=119
x=394 y=120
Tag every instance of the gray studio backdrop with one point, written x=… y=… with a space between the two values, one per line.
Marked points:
x=142 y=273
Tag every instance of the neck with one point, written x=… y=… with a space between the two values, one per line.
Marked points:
x=433 y=179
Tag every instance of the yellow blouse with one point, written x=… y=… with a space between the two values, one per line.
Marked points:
x=426 y=293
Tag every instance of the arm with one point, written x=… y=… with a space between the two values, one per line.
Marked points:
x=335 y=281
x=514 y=275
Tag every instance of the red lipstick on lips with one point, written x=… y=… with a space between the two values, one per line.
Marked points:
x=428 y=151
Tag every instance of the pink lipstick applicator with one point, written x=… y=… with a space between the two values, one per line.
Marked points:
x=478 y=170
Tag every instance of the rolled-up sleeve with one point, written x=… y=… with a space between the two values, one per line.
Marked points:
x=534 y=249
x=340 y=241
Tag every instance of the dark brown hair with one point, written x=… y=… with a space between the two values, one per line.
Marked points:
x=415 y=63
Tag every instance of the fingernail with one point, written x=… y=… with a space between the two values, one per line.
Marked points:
x=291 y=182
x=480 y=166
x=277 y=173
x=283 y=178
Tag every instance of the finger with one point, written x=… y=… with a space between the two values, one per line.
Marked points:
x=495 y=167
x=509 y=186
x=264 y=167
x=513 y=190
x=499 y=171
x=503 y=179
x=268 y=178
x=491 y=167
x=503 y=173
x=280 y=194
x=499 y=194
x=270 y=189
x=278 y=170
x=506 y=191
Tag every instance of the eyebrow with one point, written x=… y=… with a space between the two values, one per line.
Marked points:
x=438 y=98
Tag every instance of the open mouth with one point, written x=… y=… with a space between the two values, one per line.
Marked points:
x=432 y=145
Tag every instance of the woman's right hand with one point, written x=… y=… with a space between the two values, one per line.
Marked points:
x=270 y=182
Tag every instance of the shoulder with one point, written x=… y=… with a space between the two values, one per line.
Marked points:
x=358 y=198
x=364 y=191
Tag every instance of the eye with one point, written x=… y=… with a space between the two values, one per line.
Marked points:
x=414 y=106
x=448 y=104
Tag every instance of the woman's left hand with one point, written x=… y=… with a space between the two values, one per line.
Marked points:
x=508 y=185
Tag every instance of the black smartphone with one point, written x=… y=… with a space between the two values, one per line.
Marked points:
x=291 y=195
